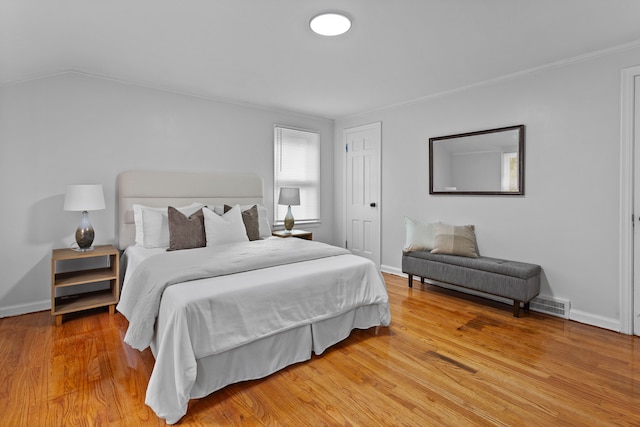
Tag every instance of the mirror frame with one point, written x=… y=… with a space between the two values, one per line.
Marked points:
x=520 y=192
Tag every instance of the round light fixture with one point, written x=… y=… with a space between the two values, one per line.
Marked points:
x=330 y=24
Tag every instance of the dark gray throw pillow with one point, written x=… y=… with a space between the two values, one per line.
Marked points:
x=186 y=233
x=250 y=219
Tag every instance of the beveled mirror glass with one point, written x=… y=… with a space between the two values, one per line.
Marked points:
x=487 y=162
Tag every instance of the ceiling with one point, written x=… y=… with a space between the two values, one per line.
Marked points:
x=262 y=51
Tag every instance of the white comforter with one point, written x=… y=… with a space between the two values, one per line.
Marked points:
x=201 y=318
x=140 y=303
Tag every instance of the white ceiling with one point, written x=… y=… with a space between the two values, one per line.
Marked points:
x=262 y=51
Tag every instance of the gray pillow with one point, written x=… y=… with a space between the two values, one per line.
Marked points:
x=251 y=222
x=186 y=233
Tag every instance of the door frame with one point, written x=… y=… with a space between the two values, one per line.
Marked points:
x=626 y=199
x=378 y=126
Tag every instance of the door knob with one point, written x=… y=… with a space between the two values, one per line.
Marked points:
x=372 y=204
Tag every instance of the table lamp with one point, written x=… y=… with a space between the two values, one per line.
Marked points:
x=291 y=197
x=84 y=198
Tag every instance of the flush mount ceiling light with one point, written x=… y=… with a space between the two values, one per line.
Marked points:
x=330 y=24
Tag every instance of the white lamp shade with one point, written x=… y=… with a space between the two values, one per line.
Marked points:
x=84 y=198
x=289 y=196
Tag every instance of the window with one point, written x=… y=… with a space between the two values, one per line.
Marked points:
x=297 y=164
x=510 y=172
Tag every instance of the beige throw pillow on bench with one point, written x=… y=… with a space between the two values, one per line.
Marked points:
x=455 y=240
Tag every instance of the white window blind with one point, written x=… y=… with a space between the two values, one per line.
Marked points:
x=297 y=164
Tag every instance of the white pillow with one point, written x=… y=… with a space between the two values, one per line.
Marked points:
x=225 y=228
x=263 y=218
x=263 y=221
x=152 y=224
x=420 y=236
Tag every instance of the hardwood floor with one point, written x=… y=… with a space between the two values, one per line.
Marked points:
x=446 y=359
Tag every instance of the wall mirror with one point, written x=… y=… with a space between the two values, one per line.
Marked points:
x=487 y=162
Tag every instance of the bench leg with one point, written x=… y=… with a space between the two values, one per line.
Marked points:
x=422 y=280
x=516 y=308
x=411 y=280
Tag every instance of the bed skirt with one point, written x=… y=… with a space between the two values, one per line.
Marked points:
x=265 y=356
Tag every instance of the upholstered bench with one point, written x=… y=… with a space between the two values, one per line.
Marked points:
x=509 y=279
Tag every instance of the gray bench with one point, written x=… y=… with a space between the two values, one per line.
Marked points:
x=509 y=279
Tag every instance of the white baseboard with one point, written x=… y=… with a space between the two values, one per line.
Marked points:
x=392 y=270
x=575 y=315
x=595 y=320
x=32 y=307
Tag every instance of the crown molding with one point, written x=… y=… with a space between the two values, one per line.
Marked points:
x=215 y=98
x=557 y=64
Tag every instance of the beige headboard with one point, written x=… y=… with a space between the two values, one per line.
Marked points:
x=160 y=189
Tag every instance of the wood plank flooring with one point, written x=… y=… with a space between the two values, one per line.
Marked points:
x=447 y=359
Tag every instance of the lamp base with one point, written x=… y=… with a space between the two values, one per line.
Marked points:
x=85 y=233
x=288 y=220
x=84 y=249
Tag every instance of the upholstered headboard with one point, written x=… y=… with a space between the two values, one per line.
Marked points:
x=160 y=189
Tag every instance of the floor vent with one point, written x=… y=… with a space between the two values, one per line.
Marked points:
x=553 y=306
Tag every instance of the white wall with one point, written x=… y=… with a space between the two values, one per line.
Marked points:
x=72 y=129
x=568 y=220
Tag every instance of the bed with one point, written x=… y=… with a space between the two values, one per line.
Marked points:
x=235 y=311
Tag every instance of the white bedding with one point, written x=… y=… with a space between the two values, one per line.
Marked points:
x=308 y=305
x=140 y=303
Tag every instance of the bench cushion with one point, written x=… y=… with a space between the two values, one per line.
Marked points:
x=493 y=265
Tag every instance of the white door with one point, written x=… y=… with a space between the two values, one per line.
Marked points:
x=362 y=150
x=636 y=198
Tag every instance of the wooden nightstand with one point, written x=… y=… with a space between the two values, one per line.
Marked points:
x=78 y=301
x=301 y=234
